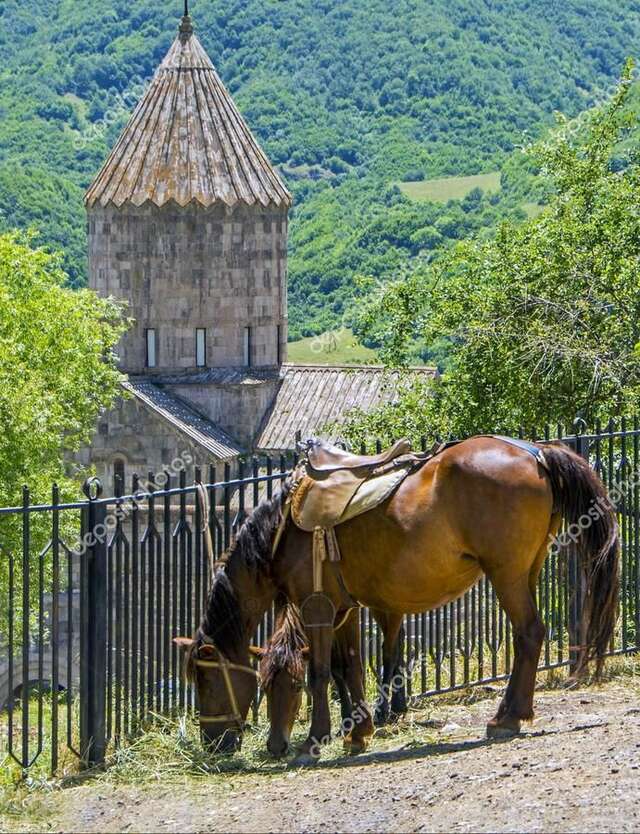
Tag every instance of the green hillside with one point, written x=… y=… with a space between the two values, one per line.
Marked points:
x=347 y=98
x=336 y=347
x=443 y=189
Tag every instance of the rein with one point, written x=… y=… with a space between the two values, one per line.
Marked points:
x=223 y=664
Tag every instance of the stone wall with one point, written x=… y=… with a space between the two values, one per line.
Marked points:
x=144 y=441
x=238 y=409
x=185 y=268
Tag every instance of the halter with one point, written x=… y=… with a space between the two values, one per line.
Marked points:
x=225 y=666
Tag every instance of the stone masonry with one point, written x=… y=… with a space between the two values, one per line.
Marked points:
x=182 y=268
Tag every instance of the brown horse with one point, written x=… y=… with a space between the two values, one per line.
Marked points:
x=282 y=674
x=481 y=506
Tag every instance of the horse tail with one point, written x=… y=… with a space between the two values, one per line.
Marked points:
x=580 y=496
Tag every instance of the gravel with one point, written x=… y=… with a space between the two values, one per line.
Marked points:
x=575 y=768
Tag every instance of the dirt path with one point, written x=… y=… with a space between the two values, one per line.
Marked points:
x=577 y=768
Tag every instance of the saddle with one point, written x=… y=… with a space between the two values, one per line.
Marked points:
x=322 y=458
x=334 y=485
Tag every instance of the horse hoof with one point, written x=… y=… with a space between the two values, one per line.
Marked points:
x=304 y=760
x=503 y=730
x=354 y=746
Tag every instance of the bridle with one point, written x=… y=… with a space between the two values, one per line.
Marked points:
x=225 y=666
x=222 y=663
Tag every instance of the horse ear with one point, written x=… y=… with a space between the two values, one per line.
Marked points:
x=183 y=643
x=206 y=650
x=257 y=651
x=305 y=652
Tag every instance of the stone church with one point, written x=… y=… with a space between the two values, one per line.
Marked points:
x=187 y=222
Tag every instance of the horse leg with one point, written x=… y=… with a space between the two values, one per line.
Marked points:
x=320 y=643
x=516 y=706
x=390 y=625
x=399 y=680
x=357 y=725
x=339 y=674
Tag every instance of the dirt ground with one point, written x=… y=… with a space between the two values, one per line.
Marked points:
x=576 y=768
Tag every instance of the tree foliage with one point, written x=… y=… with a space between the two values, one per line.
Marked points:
x=543 y=321
x=346 y=97
x=57 y=372
x=57 y=365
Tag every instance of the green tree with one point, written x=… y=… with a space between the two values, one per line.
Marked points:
x=57 y=372
x=544 y=320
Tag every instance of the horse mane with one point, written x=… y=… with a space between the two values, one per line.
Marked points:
x=222 y=623
x=284 y=649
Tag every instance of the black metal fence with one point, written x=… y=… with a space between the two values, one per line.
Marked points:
x=94 y=592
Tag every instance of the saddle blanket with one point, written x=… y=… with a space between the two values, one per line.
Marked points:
x=342 y=497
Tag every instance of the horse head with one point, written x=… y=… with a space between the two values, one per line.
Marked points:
x=282 y=674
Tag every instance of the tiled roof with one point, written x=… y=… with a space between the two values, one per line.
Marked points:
x=187 y=141
x=311 y=396
x=200 y=430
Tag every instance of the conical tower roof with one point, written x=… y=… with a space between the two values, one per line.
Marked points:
x=187 y=141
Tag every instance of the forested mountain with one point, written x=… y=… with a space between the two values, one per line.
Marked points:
x=347 y=96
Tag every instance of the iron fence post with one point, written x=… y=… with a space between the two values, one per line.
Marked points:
x=93 y=645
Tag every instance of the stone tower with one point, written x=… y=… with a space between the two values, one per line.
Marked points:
x=188 y=223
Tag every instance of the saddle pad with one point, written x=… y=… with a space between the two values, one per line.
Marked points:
x=373 y=492
x=341 y=497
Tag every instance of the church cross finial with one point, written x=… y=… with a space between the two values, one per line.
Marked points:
x=186 y=28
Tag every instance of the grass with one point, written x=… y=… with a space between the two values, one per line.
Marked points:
x=450 y=188
x=15 y=786
x=335 y=347
x=172 y=747
x=169 y=751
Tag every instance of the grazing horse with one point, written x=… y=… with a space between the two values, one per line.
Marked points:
x=282 y=674
x=481 y=506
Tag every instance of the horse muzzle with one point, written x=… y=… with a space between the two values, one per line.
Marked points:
x=278 y=747
x=228 y=740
